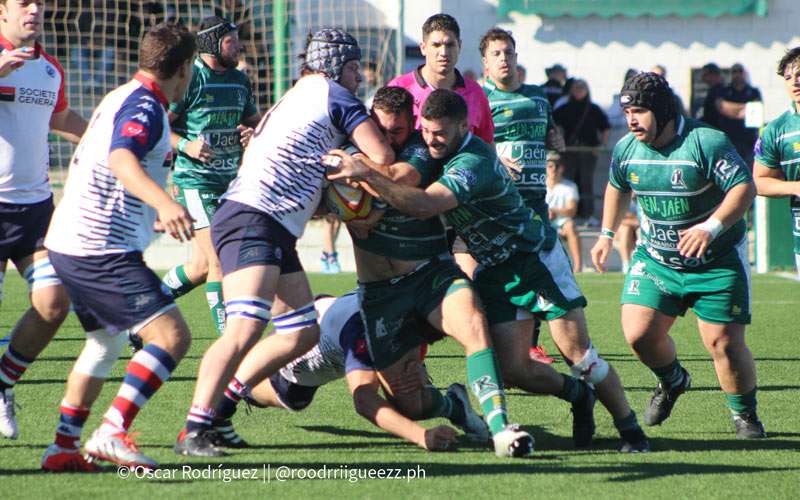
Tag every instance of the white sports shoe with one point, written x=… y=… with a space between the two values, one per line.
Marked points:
x=512 y=442
x=473 y=425
x=8 y=415
x=118 y=448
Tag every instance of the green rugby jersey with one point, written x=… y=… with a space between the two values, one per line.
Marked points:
x=399 y=236
x=779 y=147
x=521 y=121
x=213 y=106
x=491 y=216
x=679 y=186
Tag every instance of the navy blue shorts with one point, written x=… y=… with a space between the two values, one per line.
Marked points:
x=244 y=236
x=115 y=292
x=293 y=396
x=23 y=227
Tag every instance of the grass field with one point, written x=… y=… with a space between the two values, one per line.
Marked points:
x=694 y=454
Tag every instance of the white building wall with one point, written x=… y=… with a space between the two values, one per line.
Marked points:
x=601 y=50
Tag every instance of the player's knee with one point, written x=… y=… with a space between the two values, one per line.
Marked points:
x=299 y=326
x=100 y=353
x=724 y=346
x=410 y=404
x=51 y=303
x=591 y=368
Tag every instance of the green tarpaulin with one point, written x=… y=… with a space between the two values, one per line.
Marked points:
x=634 y=8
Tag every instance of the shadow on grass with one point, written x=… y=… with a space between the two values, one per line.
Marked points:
x=111 y=380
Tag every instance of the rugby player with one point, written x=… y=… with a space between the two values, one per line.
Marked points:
x=32 y=103
x=263 y=213
x=206 y=134
x=693 y=189
x=113 y=198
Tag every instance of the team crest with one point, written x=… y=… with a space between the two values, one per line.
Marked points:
x=508 y=113
x=50 y=71
x=633 y=287
x=796 y=147
x=634 y=178
x=677 y=179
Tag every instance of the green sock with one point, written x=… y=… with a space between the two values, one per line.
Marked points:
x=670 y=375
x=176 y=283
x=740 y=404
x=216 y=304
x=626 y=423
x=484 y=380
x=573 y=389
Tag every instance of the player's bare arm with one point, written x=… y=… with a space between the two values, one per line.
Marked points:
x=772 y=182
x=369 y=404
x=695 y=241
x=613 y=213
x=172 y=216
x=370 y=141
x=69 y=125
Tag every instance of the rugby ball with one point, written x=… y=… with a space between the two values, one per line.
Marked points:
x=347 y=203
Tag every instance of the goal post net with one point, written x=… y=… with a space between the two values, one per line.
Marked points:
x=97 y=42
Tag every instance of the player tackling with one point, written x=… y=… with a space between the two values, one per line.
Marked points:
x=693 y=190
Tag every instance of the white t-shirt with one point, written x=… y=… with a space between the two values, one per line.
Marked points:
x=559 y=196
x=97 y=215
x=29 y=96
x=281 y=174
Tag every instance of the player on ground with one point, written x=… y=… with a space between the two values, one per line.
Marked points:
x=506 y=237
x=113 y=197
x=693 y=189
x=407 y=279
x=263 y=213
x=32 y=103
x=441 y=46
x=342 y=353
x=523 y=132
x=777 y=161
x=206 y=133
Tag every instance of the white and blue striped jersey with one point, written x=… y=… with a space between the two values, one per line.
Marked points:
x=281 y=174
x=97 y=215
x=342 y=345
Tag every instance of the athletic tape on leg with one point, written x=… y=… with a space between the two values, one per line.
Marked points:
x=41 y=274
x=100 y=353
x=592 y=368
x=296 y=320
x=248 y=308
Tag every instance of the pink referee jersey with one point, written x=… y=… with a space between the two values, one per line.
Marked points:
x=480 y=115
x=29 y=96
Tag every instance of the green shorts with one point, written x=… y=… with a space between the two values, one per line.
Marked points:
x=527 y=284
x=200 y=203
x=395 y=310
x=717 y=295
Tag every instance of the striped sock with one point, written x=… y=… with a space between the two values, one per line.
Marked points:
x=199 y=418
x=12 y=366
x=70 y=426
x=147 y=370
x=233 y=394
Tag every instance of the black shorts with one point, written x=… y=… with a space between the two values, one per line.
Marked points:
x=293 y=396
x=244 y=236
x=23 y=228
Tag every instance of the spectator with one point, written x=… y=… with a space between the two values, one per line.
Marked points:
x=556 y=80
x=521 y=73
x=616 y=118
x=562 y=200
x=585 y=130
x=711 y=76
x=662 y=71
x=731 y=105
x=626 y=237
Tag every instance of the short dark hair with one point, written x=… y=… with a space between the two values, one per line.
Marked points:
x=791 y=57
x=440 y=22
x=444 y=103
x=395 y=100
x=165 y=48
x=493 y=35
